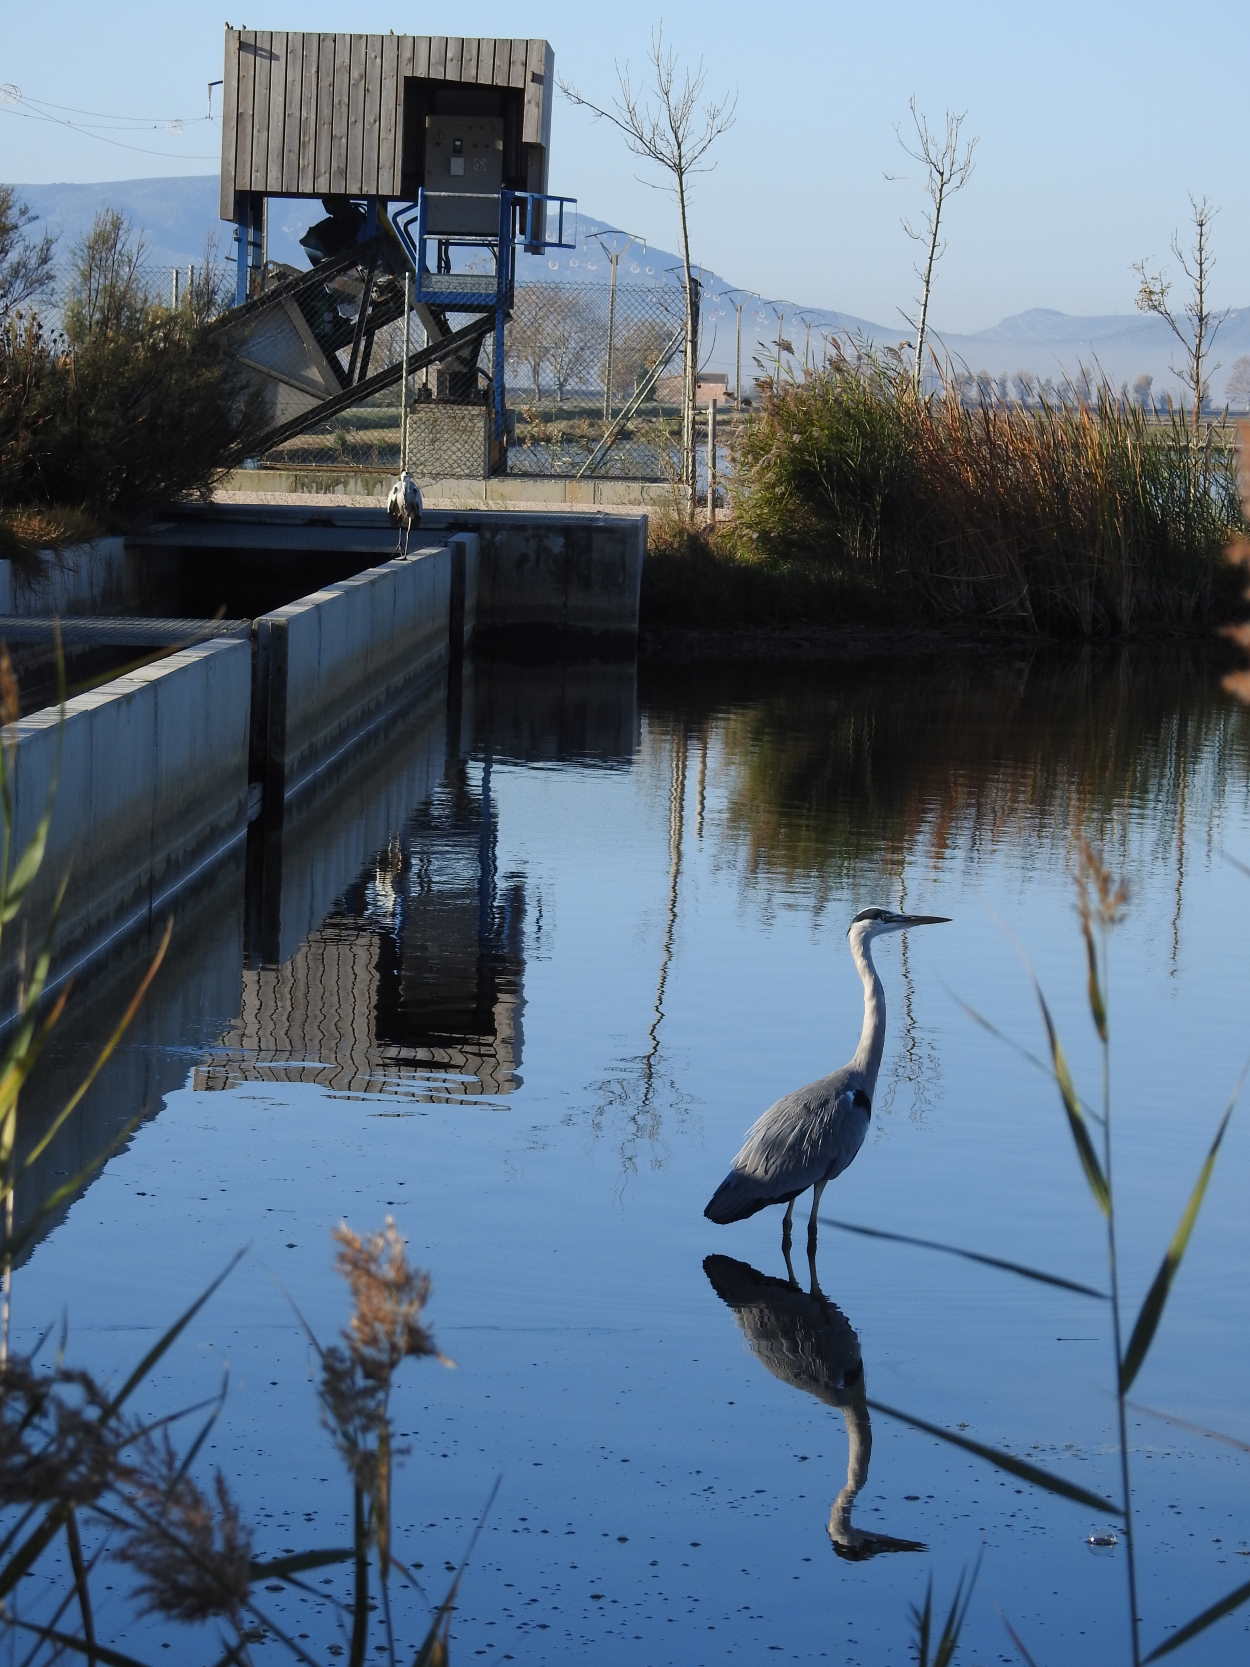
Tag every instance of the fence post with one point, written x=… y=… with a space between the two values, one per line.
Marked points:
x=711 y=462
x=174 y=275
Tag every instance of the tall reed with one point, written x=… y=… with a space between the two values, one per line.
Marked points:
x=1079 y=520
x=1091 y=1124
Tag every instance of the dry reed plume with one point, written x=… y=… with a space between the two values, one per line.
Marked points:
x=193 y=1554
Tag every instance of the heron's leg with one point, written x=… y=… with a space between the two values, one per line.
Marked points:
x=811 y=1220
x=786 y=1221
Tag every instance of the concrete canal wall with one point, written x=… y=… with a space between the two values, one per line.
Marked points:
x=162 y=769
x=568 y=573
x=103 y=576
x=536 y=572
x=147 y=780
x=331 y=664
x=159 y=771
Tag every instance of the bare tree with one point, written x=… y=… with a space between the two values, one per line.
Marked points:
x=1237 y=388
x=571 y=330
x=1141 y=390
x=947 y=163
x=25 y=262
x=553 y=332
x=525 y=339
x=669 y=122
x=1195 y=326
x=635 y=352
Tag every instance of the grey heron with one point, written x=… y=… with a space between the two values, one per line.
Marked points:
x=811 y=1135
x=404 y=505
x=808 y=1342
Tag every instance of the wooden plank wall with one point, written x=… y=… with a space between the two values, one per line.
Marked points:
x=313 y=114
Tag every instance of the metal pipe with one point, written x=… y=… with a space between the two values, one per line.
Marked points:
x=403 y=383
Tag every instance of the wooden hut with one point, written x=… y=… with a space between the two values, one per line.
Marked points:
x=311 y=115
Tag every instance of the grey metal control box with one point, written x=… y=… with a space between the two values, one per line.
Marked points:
x=463 y=174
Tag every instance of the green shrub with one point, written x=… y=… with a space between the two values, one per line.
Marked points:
x=1085 y=520
x=135 y=404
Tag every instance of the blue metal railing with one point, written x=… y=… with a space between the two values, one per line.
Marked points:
x=527 y=218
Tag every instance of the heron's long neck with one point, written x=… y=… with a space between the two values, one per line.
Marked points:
x=872 y=1037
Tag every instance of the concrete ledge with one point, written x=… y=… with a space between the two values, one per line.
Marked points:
x=565 y=573
x=455 y=492
x=152 y=772
x=551 y=571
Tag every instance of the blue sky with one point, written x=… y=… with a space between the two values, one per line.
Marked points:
x=1095 y=122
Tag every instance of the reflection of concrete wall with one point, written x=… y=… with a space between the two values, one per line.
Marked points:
x=152 y=782
x=412 y=985
x=556 y=709
x=195 y=990
x=309 y=1020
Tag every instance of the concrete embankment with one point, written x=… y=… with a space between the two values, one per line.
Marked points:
x=154 y=775
x=145 y=781
x=564 y=572
x=326 y=483
x=331 y=664
x=160 y=771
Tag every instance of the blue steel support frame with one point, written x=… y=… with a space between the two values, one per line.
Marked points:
x=249 y=241
x=521 y=215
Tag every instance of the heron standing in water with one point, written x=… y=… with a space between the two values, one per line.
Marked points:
x=814 y=1133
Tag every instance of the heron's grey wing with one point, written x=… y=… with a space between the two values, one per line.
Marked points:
x=852 y=1113
x=808 y=1136
x=802 y=1139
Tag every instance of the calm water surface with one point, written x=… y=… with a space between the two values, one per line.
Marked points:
x=524 y=992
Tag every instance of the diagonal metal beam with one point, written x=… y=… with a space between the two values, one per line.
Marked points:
x=474 y=331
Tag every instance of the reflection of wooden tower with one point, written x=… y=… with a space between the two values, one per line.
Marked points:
x=430 y=156
x=412 y=986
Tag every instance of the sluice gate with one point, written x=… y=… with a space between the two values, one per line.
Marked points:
x=429 y=157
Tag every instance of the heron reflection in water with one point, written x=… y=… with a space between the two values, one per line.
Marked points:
x=807 y=1341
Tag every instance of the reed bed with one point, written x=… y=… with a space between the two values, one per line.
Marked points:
x=1082 y=521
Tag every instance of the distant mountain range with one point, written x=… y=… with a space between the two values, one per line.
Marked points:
x=178 y=221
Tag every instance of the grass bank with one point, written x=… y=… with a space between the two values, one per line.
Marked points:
x=857 y=500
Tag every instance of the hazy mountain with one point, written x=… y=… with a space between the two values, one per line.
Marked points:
x=178 y=218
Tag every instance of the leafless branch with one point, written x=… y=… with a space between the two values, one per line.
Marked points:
x=948 y=164
x=1195 y=326
x=666 y=119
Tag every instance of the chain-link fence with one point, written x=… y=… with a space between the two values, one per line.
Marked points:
x=593 y=376
x=594 y=380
